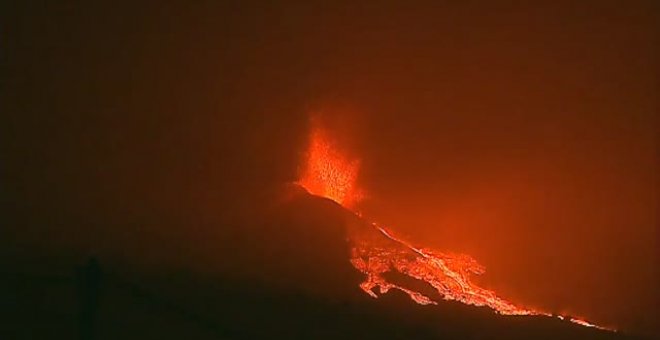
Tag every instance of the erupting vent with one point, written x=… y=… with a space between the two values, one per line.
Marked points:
x=328 y=173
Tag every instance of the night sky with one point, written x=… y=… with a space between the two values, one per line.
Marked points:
x=522 y=134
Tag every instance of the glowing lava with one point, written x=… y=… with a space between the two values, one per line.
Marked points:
x=376 y=250
x=328 y=173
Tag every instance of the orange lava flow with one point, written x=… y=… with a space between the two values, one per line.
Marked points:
x=448 y=274
x=376 y=251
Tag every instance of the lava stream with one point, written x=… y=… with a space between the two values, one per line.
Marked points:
x=376 y=251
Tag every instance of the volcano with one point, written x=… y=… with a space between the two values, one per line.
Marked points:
x=387 y=261
x=306 y=265
x=312 y=273
x=331 y=293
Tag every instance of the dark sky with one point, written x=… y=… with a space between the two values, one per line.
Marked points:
x=524 y=135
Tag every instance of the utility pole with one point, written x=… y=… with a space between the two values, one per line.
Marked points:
x=89 y=279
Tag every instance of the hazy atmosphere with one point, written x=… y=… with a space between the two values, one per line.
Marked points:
x=160 y=137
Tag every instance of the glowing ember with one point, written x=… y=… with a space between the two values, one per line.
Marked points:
x=376 y=251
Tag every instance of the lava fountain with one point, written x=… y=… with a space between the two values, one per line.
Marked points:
x=331 y=174
x=328 y=173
